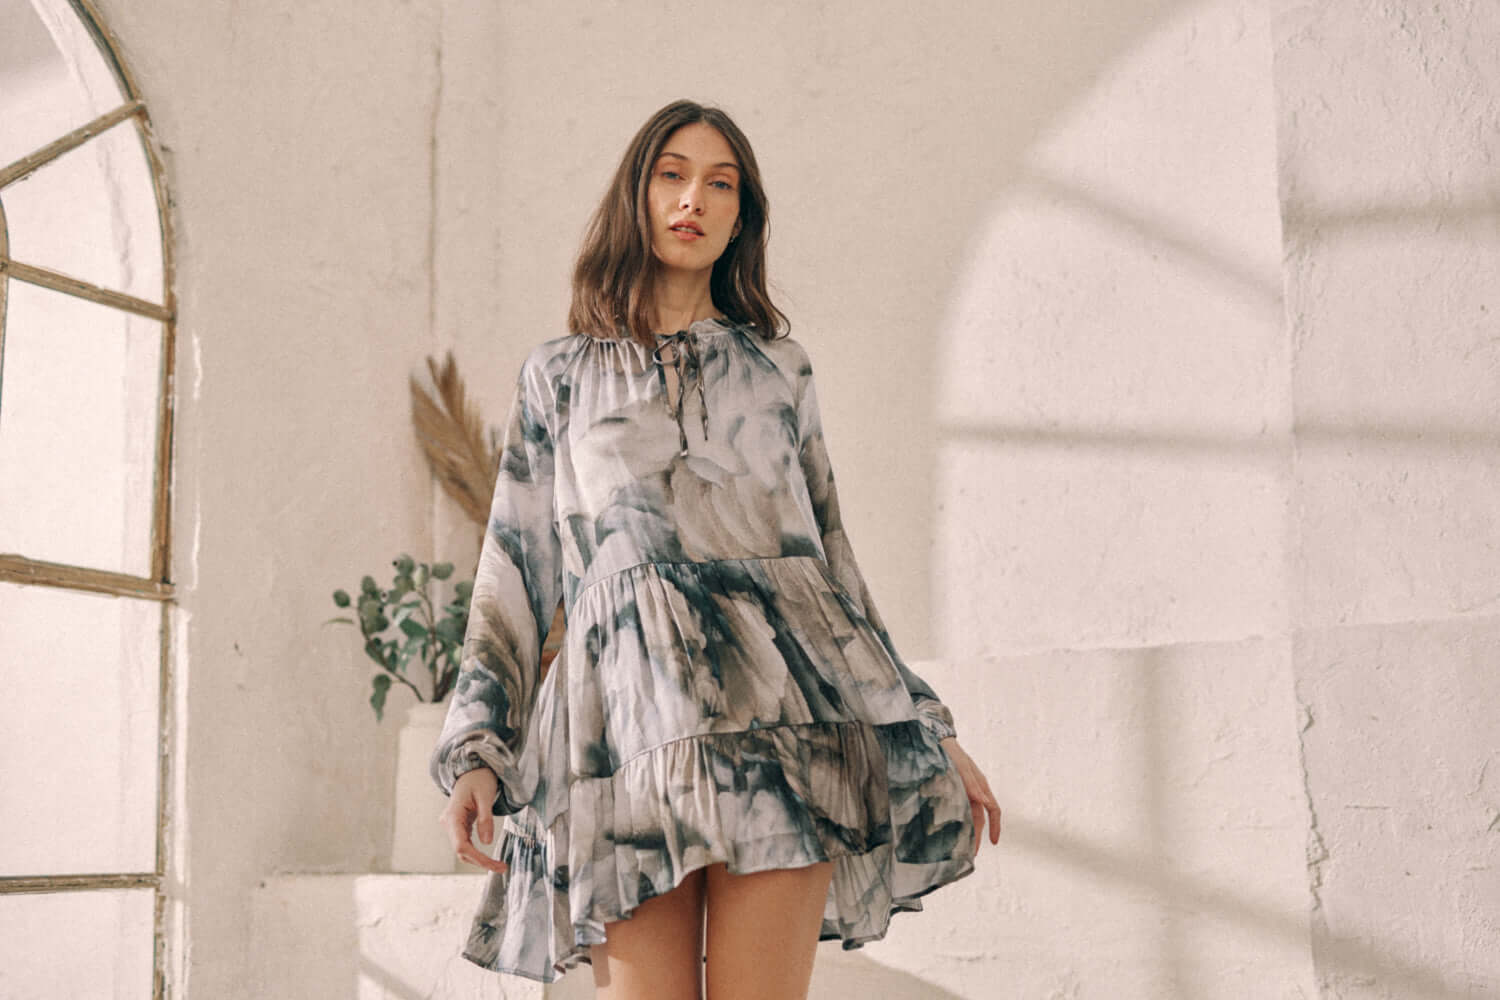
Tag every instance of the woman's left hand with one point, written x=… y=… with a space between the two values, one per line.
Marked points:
x=981 y=799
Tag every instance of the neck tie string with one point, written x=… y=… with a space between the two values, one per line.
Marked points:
x=684 y=346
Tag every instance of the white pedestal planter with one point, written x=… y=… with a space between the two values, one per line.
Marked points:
x=419 y=843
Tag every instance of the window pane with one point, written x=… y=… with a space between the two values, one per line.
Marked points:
x=91 y=214
x=52 y=77
x=79 y=945
x=78 y=731
x=78 y=398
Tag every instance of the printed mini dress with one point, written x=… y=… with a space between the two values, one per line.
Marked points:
x=726 y=690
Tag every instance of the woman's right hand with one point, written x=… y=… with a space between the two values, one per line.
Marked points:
x=981 y=800
x=473 y=797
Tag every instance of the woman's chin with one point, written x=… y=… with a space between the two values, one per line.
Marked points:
x=684 y=263
x=685 y=272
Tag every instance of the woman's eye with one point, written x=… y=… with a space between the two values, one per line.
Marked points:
x=725 y=185
x=670 y=174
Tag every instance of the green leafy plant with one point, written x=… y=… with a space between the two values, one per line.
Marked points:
x=401 y=626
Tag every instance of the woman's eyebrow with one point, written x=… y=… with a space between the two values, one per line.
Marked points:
x=734 y=166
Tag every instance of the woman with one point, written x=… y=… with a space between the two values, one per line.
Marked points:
x=728 y=732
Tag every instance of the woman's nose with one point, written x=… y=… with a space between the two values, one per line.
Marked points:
x=692 y=197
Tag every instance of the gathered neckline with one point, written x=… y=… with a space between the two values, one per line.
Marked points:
x=708 y=324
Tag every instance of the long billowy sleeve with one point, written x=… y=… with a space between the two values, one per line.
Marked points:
x=840 y=555
x=517 y=585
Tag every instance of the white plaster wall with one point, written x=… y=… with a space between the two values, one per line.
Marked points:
x=1389 y=128
x=372 y=937
x=1114 y=406
x=1403 y=783
x=1388 y=117
x=1036 y=254
x=1153 y=845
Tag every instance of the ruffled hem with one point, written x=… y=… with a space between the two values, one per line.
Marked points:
x=884 y=802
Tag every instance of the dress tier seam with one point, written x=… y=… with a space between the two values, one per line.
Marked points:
x=729 y=732
x=525 y=837
x=686 y=562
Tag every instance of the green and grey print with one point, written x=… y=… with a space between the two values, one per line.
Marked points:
x=726 y=690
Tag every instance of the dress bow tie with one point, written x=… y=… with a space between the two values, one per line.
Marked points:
x=684 y=344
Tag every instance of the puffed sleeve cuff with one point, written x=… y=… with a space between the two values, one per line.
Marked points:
x=482 y=749
x=936 y=717
x=931 y=711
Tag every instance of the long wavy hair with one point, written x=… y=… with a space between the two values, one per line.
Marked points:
x=615 y=275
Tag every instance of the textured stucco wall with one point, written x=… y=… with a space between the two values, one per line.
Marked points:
x=1388 y=120
x=1114 y=480
x=372 y=937
x=1163 y=485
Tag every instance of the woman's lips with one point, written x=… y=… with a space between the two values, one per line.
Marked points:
x=686 y=234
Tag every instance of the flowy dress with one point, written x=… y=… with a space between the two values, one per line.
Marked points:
x=726 y=690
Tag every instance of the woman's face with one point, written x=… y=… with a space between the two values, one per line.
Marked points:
x=694 y=198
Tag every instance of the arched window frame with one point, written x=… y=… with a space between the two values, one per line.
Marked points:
x=157 y=584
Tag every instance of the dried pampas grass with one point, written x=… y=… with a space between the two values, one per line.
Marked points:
x=452 y=436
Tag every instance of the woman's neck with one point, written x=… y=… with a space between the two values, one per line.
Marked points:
x=680 y=302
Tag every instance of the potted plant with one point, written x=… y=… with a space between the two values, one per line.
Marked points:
x=420 y=634
x=406 y=632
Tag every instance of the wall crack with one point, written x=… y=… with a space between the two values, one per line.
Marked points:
x=1317 y=849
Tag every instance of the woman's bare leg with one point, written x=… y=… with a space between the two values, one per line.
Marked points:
x=763 y=931
x=657 y=952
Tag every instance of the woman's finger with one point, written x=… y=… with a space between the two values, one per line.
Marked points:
x=982 y=802
x=985 y=800
x=454 y=825
x=482 y=860
x=458 y=824
x=474 y=856
x=486 y=825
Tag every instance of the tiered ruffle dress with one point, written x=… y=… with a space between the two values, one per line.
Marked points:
x=726 y=690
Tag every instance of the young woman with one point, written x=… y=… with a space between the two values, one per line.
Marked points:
x=728 y=735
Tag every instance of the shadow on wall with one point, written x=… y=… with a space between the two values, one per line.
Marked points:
x=1195 y=899
x=1374 y=962
x=1141 y=444
x=1184 y=896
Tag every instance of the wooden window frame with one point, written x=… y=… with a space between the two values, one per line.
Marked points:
x=157 y=585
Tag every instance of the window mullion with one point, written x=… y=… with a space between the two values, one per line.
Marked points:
x=71 y=141
x=14 y=884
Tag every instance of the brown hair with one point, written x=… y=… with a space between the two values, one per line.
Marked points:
x=616 y=269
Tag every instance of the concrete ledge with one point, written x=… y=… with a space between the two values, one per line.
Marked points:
x=371 y=937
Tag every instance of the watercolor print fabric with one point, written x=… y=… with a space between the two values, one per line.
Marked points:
x=726 y=690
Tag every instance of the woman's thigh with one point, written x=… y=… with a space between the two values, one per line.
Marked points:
x=763 y=930
x=657 y=952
